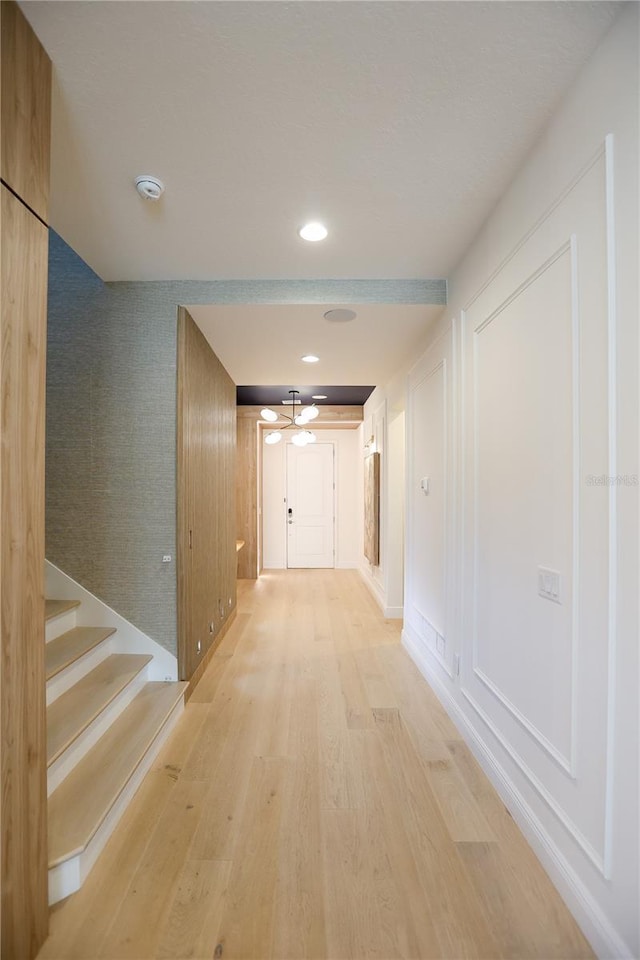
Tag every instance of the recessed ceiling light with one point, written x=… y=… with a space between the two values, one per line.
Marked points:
x=309 y=358
x=319 y=396
x=340 y=315
x=313 y=232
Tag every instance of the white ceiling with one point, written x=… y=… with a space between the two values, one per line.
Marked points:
x=398 y=124
x=260 y=344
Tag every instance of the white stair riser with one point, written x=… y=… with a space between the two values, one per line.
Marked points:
x=65 y=763
x=67 y=877
x=60 y=624
x=66 y=679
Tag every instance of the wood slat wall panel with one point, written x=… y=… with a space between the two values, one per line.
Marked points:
x=206 y=482
x=247 y=497
x=332 y=415
x=24 y=824
x=25 y=122
x=26 y=110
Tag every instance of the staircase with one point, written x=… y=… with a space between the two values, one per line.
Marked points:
x=105 y=725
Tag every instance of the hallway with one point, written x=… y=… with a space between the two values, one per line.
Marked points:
x=314 y=801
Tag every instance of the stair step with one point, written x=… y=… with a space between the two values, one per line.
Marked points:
x=54 y=608
x=84 y=799
x=72 y=645
x=75 y=710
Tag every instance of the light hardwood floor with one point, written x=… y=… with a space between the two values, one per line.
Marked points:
x=314 y=801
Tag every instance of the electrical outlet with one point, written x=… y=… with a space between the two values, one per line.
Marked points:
x=166 y=558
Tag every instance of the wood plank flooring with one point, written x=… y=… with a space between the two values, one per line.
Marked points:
x=314 y=801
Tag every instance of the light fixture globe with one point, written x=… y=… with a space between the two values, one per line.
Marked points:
x=303 y=437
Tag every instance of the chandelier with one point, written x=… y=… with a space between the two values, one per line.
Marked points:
x=303 y=437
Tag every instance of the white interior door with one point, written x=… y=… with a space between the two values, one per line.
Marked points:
x=310 y=506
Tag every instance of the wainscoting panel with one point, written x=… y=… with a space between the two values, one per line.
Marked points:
x=247 y=493
x=538 y=338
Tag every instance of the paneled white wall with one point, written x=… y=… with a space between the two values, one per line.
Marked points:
x=522 y=408
x=431 y=493
x=349 y=499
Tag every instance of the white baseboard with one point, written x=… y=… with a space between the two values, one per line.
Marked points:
x=347 y=565
x=93 y=612
x=393 y=613
x=274 y=565
x=374 y=587
x=596 y=927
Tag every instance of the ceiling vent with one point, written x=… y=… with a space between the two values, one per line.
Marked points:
x=340 y=315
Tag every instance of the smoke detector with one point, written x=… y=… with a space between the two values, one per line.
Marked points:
x=149 y=188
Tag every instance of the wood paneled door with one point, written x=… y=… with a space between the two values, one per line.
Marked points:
x=206 y=480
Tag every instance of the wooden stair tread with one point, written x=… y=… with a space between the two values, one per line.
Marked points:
x=82 y=801
x=53 y=608
x=70 y=646
x=72 y=713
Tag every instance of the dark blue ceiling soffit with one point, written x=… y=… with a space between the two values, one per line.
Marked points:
x=273 y=396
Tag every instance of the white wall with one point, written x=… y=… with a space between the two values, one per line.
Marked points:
x=349 y=499
x=395 y=508
x=529 y=389
x=430 y=607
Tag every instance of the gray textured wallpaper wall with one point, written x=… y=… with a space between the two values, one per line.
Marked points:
x=110 y=446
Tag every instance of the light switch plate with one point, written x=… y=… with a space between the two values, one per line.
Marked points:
x=549 y=583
